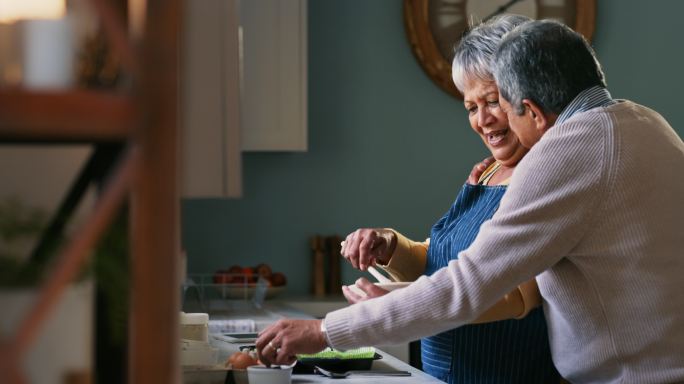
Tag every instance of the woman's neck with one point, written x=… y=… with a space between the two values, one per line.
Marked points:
x=501 y=175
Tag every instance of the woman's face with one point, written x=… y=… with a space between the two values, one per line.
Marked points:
x=481 y=100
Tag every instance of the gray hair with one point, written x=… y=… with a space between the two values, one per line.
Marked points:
x=546 y=62
x=474 y=54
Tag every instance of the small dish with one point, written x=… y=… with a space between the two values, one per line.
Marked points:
x=265 y=375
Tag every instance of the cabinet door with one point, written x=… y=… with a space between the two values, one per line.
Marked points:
x=210 y=99
x=274 y=69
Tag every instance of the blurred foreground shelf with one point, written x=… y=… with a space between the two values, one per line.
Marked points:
x=140 y=176
x=74 y=116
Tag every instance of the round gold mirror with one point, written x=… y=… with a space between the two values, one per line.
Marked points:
x=435 y=26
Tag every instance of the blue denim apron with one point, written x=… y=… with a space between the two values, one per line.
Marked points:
x=509 y=351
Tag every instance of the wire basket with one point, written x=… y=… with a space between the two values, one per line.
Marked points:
x=227 y=286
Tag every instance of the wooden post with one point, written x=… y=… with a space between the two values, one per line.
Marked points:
x=155 y=292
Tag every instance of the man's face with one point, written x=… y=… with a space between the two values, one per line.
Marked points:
x=524 y=126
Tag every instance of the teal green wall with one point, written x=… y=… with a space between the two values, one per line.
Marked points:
x=386 y=146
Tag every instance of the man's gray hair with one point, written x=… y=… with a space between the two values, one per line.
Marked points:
x=474 y=54
x=546 y=62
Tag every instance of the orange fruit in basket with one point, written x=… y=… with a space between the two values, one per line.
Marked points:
x=278 y=279
x=263 y=270
x=248 y=274
x=221 y=277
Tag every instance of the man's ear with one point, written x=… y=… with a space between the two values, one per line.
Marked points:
x=542 y=121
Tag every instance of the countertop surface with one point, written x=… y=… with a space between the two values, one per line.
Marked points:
x=272 y=311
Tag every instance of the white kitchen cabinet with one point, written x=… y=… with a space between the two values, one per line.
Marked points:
x=274 y=74
x=243 y=88
x=211 y=163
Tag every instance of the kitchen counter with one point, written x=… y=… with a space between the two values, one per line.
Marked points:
x=272 y=311
x=388 y=362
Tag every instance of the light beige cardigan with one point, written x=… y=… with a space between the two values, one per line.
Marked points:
x=595 y=210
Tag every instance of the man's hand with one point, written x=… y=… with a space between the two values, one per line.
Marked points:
x=478 y=169
x=281 y=342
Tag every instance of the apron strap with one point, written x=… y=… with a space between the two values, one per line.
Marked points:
x=488 y=173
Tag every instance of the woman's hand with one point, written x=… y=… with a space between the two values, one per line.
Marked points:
x=478 y=168
x=366 y=246
x=281 y=342
x=371 y=291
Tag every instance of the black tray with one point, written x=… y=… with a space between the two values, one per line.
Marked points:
x=335 y=365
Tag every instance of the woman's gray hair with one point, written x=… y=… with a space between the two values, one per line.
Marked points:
x=474 y=54
x=546 y=62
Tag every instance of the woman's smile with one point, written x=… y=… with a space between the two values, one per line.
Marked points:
x=490 y=122
x=497 y=138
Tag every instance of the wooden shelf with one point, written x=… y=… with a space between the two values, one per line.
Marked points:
x=75 y=116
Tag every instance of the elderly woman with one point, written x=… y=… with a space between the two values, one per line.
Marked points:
x=508 y=351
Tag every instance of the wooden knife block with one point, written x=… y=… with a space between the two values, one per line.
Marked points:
x=326 y=269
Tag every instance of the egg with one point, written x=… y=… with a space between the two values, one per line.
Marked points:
x=241 y=360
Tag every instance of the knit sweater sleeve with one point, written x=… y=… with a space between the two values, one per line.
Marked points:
x=408 y=264
x=549 y=205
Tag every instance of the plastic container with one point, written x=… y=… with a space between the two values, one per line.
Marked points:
x=197 y=353
x=194 y=326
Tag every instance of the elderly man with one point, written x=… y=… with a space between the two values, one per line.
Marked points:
x=594 y=211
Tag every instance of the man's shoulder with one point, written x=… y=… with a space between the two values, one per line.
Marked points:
x=581 y=125
x=613 y=110
x=600 y=112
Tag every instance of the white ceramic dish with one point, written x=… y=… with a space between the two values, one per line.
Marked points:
x=263 y=375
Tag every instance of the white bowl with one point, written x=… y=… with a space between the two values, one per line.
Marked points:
x=259 y=374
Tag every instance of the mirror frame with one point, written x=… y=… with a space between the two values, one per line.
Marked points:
x=424 y=47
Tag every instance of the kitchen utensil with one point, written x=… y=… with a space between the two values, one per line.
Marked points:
x=341 y=375
x=379 y=276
